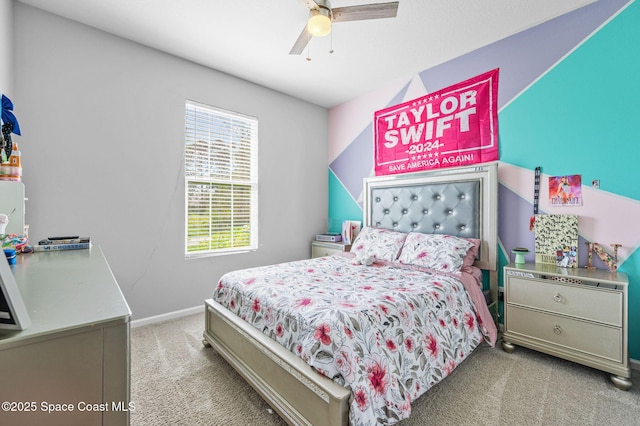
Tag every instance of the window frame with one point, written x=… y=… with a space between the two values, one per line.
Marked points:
x=213 y=177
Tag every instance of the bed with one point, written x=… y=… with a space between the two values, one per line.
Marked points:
x=354 y=338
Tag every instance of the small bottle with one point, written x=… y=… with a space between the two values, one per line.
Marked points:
x=12 y=169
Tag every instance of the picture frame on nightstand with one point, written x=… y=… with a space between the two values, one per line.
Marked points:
x=13 y=312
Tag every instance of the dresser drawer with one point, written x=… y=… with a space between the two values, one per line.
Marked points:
x=590 y=338
x=583 y=301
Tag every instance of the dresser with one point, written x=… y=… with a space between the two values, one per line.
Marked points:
x=72 y=365
x=325 y=248
x=573 y=313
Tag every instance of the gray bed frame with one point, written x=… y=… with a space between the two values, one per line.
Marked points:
x=456 y=201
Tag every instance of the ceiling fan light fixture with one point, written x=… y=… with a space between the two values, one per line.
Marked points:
x=319 y=24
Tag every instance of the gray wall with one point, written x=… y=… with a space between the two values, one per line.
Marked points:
x=6 y=48
x=102 y=144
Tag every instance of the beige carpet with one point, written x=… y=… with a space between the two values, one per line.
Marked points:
x=176 y=381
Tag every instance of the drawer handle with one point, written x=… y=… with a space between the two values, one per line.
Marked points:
x=557 y=329
x=557 y=297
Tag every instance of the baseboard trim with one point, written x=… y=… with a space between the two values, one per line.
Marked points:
x=168 y=316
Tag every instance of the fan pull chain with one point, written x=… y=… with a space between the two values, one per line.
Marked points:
x=331 y=42
x=308 y=43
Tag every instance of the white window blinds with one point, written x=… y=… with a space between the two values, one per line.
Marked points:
x=221 y=178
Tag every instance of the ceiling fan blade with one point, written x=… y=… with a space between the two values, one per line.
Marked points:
x=301 y=42
x=365 y=11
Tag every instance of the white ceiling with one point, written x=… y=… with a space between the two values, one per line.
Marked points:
x=251 y=39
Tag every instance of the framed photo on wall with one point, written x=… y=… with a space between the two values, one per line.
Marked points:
x=13 y=313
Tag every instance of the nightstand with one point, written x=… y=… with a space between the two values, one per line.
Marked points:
x=325 y=248
x=576 y=314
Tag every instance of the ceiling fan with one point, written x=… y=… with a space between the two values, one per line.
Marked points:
x=321 y=16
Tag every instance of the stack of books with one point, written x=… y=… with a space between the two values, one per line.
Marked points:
x=63 y=243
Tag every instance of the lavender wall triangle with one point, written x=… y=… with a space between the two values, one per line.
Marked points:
x=356 y=161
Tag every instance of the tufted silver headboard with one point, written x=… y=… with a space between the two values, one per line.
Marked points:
x=458 y=201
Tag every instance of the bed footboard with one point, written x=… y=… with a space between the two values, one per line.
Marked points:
x=294 y=390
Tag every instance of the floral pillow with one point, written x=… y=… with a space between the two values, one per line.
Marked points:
x=445 y=253
x=377 y=244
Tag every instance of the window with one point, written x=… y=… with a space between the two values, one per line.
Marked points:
x=221 y=180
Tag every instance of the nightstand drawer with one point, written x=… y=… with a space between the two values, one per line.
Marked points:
x=323 y=251
x=594 y=339
x=325 y=248
x=582 y=301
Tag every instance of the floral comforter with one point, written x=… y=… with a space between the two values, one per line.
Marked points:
x=387 y=331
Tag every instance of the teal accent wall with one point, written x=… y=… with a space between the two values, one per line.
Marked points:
x=342 y=206
x=631 y=267
x=582 y=118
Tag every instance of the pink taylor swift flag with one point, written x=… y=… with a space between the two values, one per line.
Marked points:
x=456 y=126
